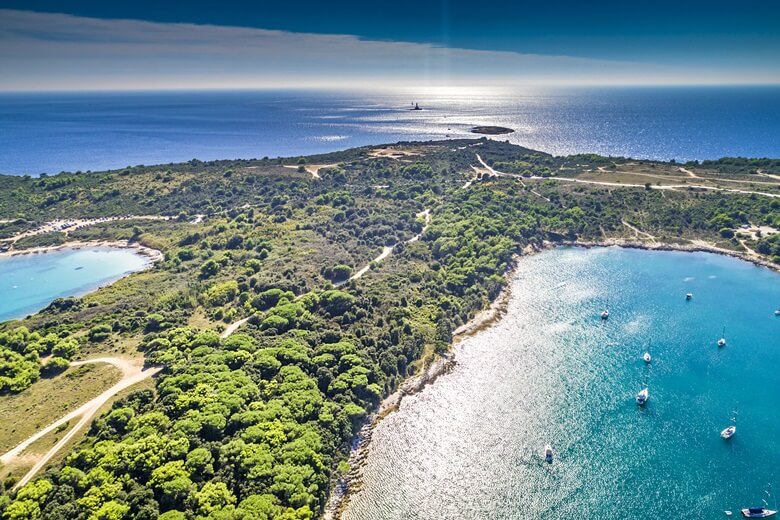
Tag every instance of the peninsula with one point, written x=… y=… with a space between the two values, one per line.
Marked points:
x=292 y=296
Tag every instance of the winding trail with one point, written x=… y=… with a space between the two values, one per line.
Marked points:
x=233 y=327
x=670 y=187
x=639 y=232
x=513 y=175
x=386 y=251
x=132 y=372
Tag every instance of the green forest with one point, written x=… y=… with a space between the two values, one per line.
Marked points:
x=259 y=424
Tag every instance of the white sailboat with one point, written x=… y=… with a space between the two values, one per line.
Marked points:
x=761 y=512
x=647 y=357
x=642 y=396
x=722 y=340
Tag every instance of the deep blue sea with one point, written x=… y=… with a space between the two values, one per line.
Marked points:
x=30 y=282
x=94 y=131
x=470 y=445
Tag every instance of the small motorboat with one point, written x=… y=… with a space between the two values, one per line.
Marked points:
x=642 y=397
x=758 y=512
x=604 y=314
x=689 y=296
x=722 y=340
x=729 y=432
x=548 y=454
x=777 y=312
x=647 y=357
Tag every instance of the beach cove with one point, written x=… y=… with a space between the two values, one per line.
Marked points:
x=550 y=371
x=31 y=279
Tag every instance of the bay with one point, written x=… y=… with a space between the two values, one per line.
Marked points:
x=30 y=282
x=551 y=371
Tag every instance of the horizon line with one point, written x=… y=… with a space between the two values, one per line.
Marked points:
x=377 y=88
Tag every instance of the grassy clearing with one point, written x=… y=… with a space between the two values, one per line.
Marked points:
x=23 y=414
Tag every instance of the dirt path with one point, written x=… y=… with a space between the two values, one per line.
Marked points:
x=386 y=251
x=423 y=214
x=670 y=187
x=513 y=175
x=233 y=327
x=313 y=169
x=639 y=232
x=769 y=175
x=132 y=372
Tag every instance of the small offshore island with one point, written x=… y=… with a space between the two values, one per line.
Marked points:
x=294 y=296
x=491 y=130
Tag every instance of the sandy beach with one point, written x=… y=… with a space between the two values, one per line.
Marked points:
x=153 y=255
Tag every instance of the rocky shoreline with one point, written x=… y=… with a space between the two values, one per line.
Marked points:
x=346 y=485
x=665 y=246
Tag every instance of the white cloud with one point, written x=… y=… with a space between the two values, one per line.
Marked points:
x=45 y=51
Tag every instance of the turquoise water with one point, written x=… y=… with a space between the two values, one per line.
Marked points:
x=29 y=283
x=470 y=445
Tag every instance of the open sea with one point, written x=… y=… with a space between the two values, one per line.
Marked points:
x=470 y=445
x=29 y=283
x=45 y=132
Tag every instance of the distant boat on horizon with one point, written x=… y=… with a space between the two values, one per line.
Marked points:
x=416 y=106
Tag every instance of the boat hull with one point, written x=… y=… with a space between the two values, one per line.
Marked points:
x=758 y=513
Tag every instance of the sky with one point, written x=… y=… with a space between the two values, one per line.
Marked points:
x=97 y=45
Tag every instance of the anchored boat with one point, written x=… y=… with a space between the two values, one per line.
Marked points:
x=729 y=432
x=642 y=397
x=760 y=512
x=722 y=340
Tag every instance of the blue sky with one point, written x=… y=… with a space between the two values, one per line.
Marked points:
x=163 y=44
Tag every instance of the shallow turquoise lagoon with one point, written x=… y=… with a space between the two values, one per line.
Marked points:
x=470 y=445
x=29 y=283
